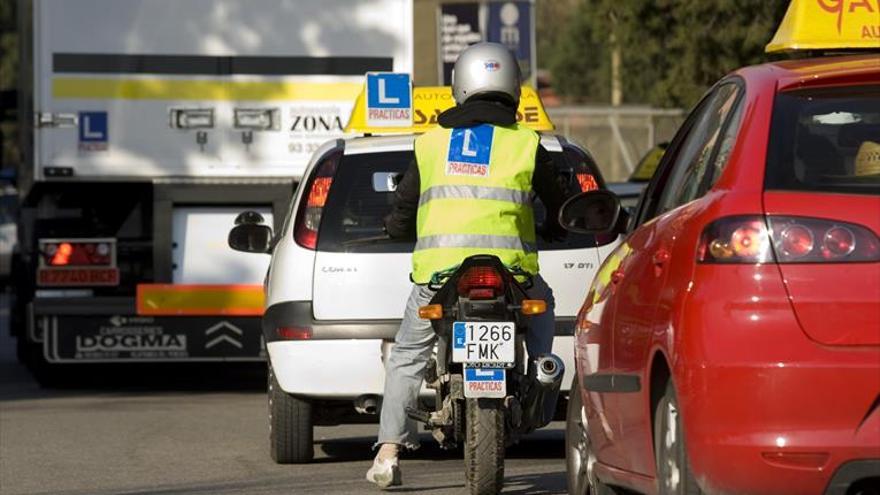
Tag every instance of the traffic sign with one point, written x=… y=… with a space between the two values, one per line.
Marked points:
x=389 y=99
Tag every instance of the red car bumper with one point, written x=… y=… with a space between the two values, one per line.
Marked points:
x=766 y=409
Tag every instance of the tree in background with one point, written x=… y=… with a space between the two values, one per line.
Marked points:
x=671 y=50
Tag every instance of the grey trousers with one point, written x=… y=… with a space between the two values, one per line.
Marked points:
x=413 y=346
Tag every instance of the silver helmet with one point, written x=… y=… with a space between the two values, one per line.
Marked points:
x=485 y=68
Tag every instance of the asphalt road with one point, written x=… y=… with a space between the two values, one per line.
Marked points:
x=202 y=430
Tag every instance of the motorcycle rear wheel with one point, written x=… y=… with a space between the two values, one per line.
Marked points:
x=484 y=446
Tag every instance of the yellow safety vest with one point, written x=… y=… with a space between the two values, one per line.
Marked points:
x=475 y=197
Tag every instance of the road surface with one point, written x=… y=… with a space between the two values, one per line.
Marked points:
x=203 y=430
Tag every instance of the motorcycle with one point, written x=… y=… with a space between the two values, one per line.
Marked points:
x=487 y=393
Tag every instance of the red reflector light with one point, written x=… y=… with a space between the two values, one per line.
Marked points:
x=587 y=182
x=483 y=279
x=294 y=333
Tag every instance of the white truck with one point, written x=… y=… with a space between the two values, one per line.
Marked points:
x=148 y=126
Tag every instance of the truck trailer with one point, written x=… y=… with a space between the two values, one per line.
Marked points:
x=147 y=126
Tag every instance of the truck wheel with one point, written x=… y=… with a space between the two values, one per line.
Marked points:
x=290 y=425
x=484 y=446
x=673 y=469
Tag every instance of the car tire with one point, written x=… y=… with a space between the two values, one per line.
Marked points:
x=674 y=476
x=578 y=450
x=290 y=425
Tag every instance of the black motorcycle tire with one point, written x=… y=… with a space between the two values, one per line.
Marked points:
x=484 y=446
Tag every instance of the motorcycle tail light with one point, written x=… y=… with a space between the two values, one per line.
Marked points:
x=485 y=280
x=308 y=219
x=786 y=239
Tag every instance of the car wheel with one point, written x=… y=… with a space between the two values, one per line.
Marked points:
x=579 y=455
x=290 y=425
x=674 y=475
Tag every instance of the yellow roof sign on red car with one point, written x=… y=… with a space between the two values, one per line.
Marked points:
x=828 y=25
x=430 y=101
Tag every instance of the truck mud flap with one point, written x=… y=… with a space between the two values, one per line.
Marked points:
x=115 y=338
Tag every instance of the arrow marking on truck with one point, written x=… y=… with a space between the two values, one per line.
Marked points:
x=222 y=338
x=222 y=325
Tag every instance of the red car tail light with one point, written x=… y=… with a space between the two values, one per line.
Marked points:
x=815 y=240
x=308 y=218
x=735 y=240
x=480 y=282
x=747 y=239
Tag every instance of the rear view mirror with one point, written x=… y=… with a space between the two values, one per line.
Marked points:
x=385 y=181
x=591 y=212
x=249 y=234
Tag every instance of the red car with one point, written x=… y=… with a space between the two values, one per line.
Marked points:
x=731 y=343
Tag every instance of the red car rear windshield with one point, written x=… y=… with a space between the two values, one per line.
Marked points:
x=826 y=140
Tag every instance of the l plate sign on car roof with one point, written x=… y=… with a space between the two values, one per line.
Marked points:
x=389 y=99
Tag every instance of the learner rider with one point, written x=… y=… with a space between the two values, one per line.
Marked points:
x=467 y=192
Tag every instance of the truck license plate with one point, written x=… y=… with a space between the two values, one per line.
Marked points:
x=484 y=382
x=483 y=342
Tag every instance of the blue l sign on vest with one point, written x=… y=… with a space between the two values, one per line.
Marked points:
x=389 y=99
x=470 y=149
x=93 y=127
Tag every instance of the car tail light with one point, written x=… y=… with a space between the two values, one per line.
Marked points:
x=77 y=253
x=814 y=240
x=308 y=218
x=587 y=182
x=748 y=239
x=735 y=240
x=294 y=333
x=480 y=282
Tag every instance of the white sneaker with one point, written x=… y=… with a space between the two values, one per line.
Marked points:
x=384 y=473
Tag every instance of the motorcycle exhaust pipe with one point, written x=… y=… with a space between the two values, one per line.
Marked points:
x=546 y=380
x=367 y=404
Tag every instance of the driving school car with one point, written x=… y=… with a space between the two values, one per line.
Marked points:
x=731 y=344
x=337 y=287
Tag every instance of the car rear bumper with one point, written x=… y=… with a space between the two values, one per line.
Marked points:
x=765 y=408
x=783 y=429
x=345 y=359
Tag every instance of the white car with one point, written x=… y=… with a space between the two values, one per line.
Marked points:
x=336 y=290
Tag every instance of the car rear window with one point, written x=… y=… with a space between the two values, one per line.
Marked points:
x=353 y=216
x=826 y=140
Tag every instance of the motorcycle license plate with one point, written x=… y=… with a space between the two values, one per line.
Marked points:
x=485 y=382
x=483 y=342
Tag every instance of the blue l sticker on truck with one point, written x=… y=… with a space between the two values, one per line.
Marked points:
x=93 y=132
